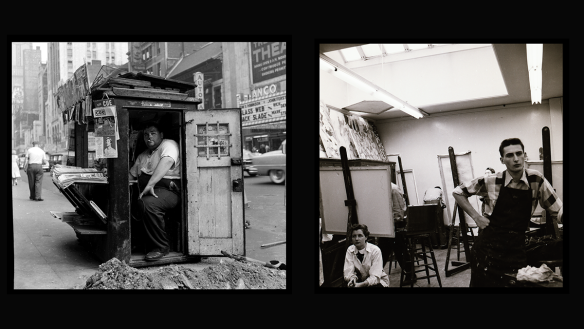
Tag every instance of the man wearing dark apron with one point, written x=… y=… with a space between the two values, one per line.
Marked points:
x=510 y=198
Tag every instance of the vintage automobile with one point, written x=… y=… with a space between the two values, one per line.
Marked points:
x=273 y=164
x=54 y=159
x=46 y=166
x=247 y=165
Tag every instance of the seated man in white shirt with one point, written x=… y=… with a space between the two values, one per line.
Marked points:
x=363 y=262
x=158 y=173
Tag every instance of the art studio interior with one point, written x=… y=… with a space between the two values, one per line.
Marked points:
x=424 y=119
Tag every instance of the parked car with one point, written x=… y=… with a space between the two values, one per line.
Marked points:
x=273 y=164
x=55 y=159
x=46 y=166
x=247 y=165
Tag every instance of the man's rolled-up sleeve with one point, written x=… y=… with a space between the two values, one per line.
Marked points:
x=474 y=187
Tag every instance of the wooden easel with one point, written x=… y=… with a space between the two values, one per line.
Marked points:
x=350 y=202
x=458 y=266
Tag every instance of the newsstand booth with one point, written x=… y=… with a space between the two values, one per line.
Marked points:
x=210 y=216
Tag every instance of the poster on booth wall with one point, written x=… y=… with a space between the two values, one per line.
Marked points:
x=105 y=129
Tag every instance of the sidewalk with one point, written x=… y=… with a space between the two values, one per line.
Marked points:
x=47 y=254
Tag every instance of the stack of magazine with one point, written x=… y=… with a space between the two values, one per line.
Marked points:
x=67 y=175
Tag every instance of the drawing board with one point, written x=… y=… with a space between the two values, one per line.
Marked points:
x=465 y=174
x=372 y=190
x=410 y=185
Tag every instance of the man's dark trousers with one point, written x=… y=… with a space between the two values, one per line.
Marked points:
x=34 y=172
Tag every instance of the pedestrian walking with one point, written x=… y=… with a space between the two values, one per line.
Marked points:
x=33 y=166
x=267 y=148
x=15 y=169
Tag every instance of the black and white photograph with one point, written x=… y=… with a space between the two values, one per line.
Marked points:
x=441 y=165
x=135 y=168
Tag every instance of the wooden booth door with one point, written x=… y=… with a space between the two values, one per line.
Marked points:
x=214 y=175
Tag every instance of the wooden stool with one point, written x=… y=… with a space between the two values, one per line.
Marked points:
x=416 y=253
x=420 y=223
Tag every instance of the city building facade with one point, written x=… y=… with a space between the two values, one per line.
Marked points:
x=248 y=75
x=63 y=59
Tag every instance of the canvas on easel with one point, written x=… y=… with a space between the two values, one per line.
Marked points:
x=372 y=189
x=465 y=174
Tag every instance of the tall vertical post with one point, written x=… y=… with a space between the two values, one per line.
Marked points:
x=461 y=216
x=350 y=202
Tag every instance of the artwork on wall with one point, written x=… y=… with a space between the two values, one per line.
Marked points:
x=356 y=134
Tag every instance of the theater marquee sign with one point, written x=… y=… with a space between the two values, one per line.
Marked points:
x=264 y=109
x=268 y=60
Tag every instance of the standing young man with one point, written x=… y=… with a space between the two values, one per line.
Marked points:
x=33 y=167
x=510 y=199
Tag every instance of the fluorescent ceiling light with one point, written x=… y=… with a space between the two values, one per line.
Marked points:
x=534 y=66
x=351 y=54
x=398 y=104
x=355 y=80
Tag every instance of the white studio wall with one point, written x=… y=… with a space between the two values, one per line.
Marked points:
x=480 y=131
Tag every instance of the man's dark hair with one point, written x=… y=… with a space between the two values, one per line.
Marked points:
x=153 y=124
x=362 y=227
x=35 y=143
x=510 y=141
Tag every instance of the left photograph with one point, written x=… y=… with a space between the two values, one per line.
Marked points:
x=161 y=165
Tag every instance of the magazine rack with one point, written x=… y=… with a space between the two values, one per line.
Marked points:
x=210 y=217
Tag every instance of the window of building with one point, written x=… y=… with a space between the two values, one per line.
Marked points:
x=94 y=45
x=69 y=52
x=89 y=54
x=93 y=53
x=158 y=48
x=88 y=45
x=107 y=45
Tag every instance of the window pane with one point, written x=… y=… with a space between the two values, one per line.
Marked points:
x=394 y=48
x=351 y=54
x=371 y=50
x=415 y=46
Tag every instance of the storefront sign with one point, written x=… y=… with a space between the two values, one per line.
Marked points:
x=263 y=110
x=199 y=80
x=264 y=91
x=268 y=60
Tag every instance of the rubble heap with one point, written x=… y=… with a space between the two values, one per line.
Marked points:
x=115 y=274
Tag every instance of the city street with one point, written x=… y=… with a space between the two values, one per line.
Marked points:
x=47 y=254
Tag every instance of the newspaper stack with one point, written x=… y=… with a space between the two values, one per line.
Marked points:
x=67 y=175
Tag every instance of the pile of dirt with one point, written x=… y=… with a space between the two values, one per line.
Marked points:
x=115 y=274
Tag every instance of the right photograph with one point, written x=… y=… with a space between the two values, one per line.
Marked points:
x=441 y=165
